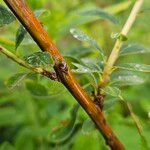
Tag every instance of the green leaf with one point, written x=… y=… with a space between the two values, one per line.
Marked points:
x=9 y=116
x=144 y=144
x=71 y=59
x=81 y=51
x=65 y=133
x=93 y=63
x=119 y=36
x=135 y=67
x=41 y=12
x=5 y=99
x=126 y=78
x=36 y=89
x=21 y=32
x=16 y=80
x=81 y=36
x=145 y=10
x=75 y=18
x=119 y=7
x=34 y=131
x=83 y=69
x=88 y=142
x=24 y=141
x=115 y=35
x=112 y=91
x=6 y=114
x=101 y=13
x=133 y=48
x=39 y=59
x=6 y=146
x=110 y=103
x=6 y=17
x=88 y=127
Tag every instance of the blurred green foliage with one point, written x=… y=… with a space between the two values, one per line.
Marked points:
x=36 y=113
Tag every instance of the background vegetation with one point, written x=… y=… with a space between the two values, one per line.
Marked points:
x=36 y=113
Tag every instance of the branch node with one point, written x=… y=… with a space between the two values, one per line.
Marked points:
x=99 y=100
x=51 y=75
x=110 y=140
x=63 y=67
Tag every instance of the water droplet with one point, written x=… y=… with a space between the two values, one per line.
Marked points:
x=119 y=77
x=137 y=66
x=86 y=70
x=72 y=30
x=76 y=36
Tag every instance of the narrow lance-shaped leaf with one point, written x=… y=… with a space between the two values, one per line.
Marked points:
x=64 y=133
x=112 y=91
x=135 y=67
x=126 y=78
x=75 y=18
x=81 y=51
x=81 y=36
x=16 y=80
x=21 y=32
x=133 y=48
x=88 y=126
x=110 y=103
x=41 y=12
x=93 y=64
x=113 y=96
x=6 y=17
x=119 y=7
x=101 y=13
x=83 y=69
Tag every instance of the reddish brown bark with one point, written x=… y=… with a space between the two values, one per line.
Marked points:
x=40 y=36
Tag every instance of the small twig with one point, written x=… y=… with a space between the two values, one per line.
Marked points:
x=115 y=52
x=135 y=119
x=6 y=41
x=51 y=75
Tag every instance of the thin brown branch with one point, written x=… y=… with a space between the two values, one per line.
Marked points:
x=33 y=26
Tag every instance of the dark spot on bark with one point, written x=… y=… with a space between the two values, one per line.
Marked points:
x=63 y=67
x=51 y=75
x=98 y=100
x=104 y=121
x=110 y=139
